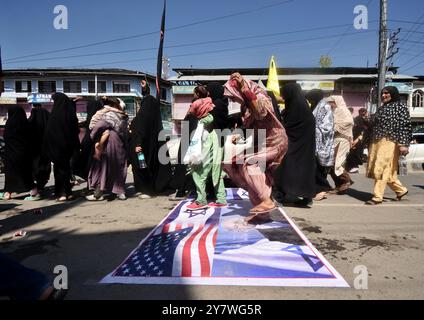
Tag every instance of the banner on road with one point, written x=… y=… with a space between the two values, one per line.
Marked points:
x=216 y=247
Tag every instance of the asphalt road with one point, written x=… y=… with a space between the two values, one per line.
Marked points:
x=91 y=239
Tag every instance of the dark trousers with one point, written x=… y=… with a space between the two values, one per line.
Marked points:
x=62 y=179
x=321 y=182
x=143 y=181
x=41 y=169
x=343 y=179
x=20 y=283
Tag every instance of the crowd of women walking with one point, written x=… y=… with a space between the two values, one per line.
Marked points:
x=313 y=137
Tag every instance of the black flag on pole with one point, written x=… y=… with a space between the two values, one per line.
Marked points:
x=1 y=74
x=160 y=53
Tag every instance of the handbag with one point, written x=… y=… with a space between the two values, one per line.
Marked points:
x=194 y=151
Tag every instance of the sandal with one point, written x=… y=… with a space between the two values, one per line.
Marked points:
x=35 y=197
x=62 y=199
x=255 y=212
x=4 y=197
x=399 y=197
x=373 y=202
x=320 y=196
x=259 y=217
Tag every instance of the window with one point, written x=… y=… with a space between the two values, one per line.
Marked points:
x=46 y=86
x=121 y=86
x=23 y=86
x=418 y=99
x=101 y=87
x=71 y=86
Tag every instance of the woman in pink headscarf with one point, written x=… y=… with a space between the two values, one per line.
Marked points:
x=254 y=171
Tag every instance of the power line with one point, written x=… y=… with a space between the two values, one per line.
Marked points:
x=180 y=45
x=155 y=32
x=414 y=28
x=404 y=21
x=228 y=49
x=409 y=30
x=415 y=65
x=412 y=41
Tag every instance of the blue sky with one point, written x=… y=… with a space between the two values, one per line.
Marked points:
x=26 y=28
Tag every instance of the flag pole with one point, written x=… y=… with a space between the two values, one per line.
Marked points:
x=1 y=75
x=160 y=53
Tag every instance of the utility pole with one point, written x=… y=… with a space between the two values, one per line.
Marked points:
x=95 y=87
x=382 y=52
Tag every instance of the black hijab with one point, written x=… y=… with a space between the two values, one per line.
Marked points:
x=275 y=106
x=394 y=93
x=61 y=137
x=296 y=174
x=314 y=97
x=18 y=155
x=16 y=130
x=220 y=112
x=92 y=107
x=146 y=127
x=38 y=121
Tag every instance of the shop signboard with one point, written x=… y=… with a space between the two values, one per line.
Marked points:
x=403 y=87
x=8 y=100
x=323 y=85
x=183 y=89
x=39 y=98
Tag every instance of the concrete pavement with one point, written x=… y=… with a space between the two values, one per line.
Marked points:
x=91 y=239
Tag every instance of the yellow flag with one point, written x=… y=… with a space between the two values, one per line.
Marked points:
x=272 y=84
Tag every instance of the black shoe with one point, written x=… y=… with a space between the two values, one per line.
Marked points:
x=303 y=203
x=373 y=202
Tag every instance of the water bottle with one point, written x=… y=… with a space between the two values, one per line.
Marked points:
x=403 y=166
x=141 y=160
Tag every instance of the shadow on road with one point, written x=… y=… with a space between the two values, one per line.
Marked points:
x=88 y=257
x=359 y=195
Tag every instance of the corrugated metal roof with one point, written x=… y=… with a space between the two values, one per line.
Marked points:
x=299 y=77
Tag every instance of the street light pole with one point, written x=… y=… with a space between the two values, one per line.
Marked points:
x=382 y=52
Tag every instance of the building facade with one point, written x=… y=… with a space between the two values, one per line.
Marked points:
x=24 y=87
x=356 y=85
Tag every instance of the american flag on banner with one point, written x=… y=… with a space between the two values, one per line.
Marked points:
x=216 y=247
x=182 y=246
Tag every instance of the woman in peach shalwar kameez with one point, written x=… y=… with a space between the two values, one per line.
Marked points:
x=245 y=169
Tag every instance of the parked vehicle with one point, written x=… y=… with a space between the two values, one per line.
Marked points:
x=416 y=151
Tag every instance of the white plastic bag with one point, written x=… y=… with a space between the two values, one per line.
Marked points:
x=194 y=152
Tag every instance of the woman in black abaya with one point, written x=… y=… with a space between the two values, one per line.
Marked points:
x=145 y=129
x=41 y=166
x=295 y=177
x=18 y=177
x=60 y=142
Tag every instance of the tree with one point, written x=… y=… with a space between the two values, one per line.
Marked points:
x=325 y=61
